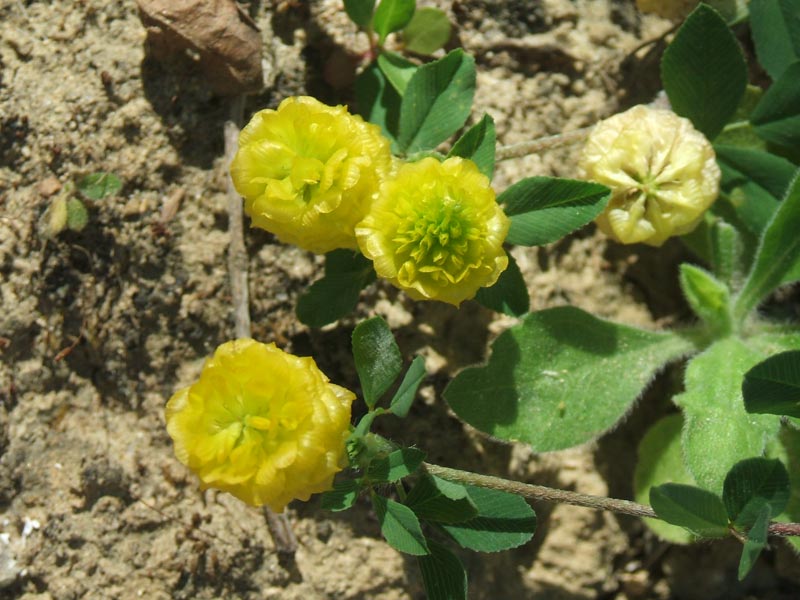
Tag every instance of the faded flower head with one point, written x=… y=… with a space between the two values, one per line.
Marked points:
x=308 y=172
x=436 y=231
x=261 y=424
x=661 y=170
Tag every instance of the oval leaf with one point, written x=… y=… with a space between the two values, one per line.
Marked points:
x=392 y=15
x=360 y=11
x=773 y=386
x=400 y=526
x=428 y=30
x=397 y=69
x=775 y=27
x=752 y=484
x=478 y=145
x=404 y=397
x=342 y=496
x=400 y=463
x=555 y=380
x=377 y=357
x=437 y=102
x=704 y=72
x=443 y=574
x=695 y=509
x=545 y=209
x=438 y=500
x=99 y=185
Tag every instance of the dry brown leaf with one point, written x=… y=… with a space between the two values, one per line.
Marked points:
x=224 y=38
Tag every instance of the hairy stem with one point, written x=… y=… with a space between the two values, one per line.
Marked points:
x=546 y=494
x=543 y=143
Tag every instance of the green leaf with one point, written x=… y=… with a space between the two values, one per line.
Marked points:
x=545 y=209
x=379 y=102
x=756 y=541
x=404 y=397
x=504 y=521
x=718 y=432
x=708 y=297
x=360 y=11
x=400 y=463
x=377 y=357
x=342 y=496
x=99 y=185
x=77 y=215
x=777 y=259
x=660 y=461
x=754 y=182
x=739 y=131
x=400 y=526
x=692 y=508
x=392 y=15
x=509 y=295
x=443 y=575
x=775 y=28
x=777 y=116
x=750 y=485
x=336 y=293
x=428 y=30
x=440 y=501
x=704 y=72
x=726 y=252
x=397 y=69
x=478 y=145
x=560 y=378
x=773 y=386
x=437 y=102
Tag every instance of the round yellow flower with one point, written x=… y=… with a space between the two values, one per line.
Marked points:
x=662 y=172
x=436 y=231
x=262 y=424
x=308 y=172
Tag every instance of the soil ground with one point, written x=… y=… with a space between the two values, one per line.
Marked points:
x=99 y=327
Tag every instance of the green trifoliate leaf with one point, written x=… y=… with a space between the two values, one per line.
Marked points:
x=509 y=295
x=775 y=27
x=709 y=298
x=336 y=293
x=777 y=116
x=756 y=541
x=438 y=500
x=545 y=209
x=443 y=574
x=428 y=30
x=560 y=378
x=377 y=357
x=397 y=69
x=400 y=526
x=777 y=259
x=379 y=102
x=478 y=145
x=400 y=463
x=704 y=72
x=752 y=484
x=718 y=432
x=392 y=15
x=360 y=11
x=503 y=521
x=342 y=496
x=404 y=397
x=660 y=461
x=99 y=185
x=437 y=102
x=695 y=509
x=773 y=386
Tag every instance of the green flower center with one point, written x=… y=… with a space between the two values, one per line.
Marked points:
x=436 y=239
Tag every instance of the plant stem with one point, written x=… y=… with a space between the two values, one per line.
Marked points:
x=543 y=143
x=546 y=494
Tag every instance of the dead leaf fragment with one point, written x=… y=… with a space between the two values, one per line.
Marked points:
x=224 y=39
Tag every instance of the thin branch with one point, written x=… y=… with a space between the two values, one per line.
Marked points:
x=279 y=527
x=543 y=143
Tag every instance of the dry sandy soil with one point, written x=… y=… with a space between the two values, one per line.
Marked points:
x=93 y=503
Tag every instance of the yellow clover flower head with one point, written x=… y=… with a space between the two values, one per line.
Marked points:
x=262 y=424
x=308 y=172
x=661 y=170
x=436 y=231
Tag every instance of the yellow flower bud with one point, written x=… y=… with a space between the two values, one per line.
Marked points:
x=661 y=170
x=308 y=172
x=261 y=424
x=436 y=231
